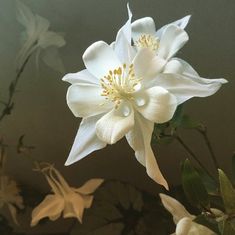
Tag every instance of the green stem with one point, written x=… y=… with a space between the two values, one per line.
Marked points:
x=12 y=89
x=203 y=132
x=192 y=154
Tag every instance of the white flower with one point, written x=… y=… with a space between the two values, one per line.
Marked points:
x=37 y=36
x=65 y=199
x=165 y=42
x=123 y=92
x=10 y=196
x=183 y=219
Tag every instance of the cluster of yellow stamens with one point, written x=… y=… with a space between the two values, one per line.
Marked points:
x=147 y=41
x=119 y=84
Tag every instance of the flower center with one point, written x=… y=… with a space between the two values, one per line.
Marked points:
x=119 y=84
x=148 y=41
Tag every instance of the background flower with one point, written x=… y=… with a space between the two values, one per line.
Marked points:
x=38 y=37
x=65 y=199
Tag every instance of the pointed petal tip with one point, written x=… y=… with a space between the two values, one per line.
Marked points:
x=224 y=81
x=129 y=10
x=65 y=78
x=69 y=162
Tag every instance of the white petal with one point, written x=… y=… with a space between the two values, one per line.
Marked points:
x=99 y=58
x=90 y=186
x=182 y=23
x=173 y=39
x=140 y=140
x=147 y=65
x=51 y=207
x=184 y=226
x=185 y=87
x=141 y=26
x=81 y=77
x=158 y=104
x=115 y=124
x=42 y=25
x=74 y=206
x=86 y=140
x=85 y=100
x=123 y=48
x=176 y=65
x=176 y=209
x=25 y=16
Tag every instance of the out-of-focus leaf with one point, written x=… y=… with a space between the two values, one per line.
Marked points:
x=5 y=228
x=227 y=192
x=211 y=185
x=208 y=222
x=216 y=202
x=226 y=228
x=188 y=123
x=193 y=186
x=233 y=167
x=166 y=140
x=177 y=118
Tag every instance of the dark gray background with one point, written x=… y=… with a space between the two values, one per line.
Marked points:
x=41 y=112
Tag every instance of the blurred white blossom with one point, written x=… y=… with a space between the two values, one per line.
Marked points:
x=10 y=196
x=64 y=199
x=183 y=219
x=38 y=37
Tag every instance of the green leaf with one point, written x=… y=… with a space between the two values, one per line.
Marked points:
x=226 y=228
x=208 y=222
x=233 y=167
x=193 y=186
x=177 y=118
x=210 y=183
x=188 y=123
x=227 y=192
x=216 y=202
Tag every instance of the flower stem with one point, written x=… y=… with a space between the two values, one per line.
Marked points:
x=12 y=89
x=203 y=132
x=192 y=154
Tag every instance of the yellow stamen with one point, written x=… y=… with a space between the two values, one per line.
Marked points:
x=148 y=41
x=119 y=84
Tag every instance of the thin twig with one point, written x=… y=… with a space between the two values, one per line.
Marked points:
x=203 y=132
x=12 y=89
x=192 y=154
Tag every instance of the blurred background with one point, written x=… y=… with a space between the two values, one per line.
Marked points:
x=41 y=112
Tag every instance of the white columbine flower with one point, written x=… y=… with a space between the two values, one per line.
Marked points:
x=65 y=199
x=37 y=36
x=10 y=196
x=183 y=219
x=165 y=42
x=123 y=92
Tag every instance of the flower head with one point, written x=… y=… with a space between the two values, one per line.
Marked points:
x=37 y=36
x=164 y=42
x=183 y=219
x=64 y=199
x=10 y=196
x=124 y=92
